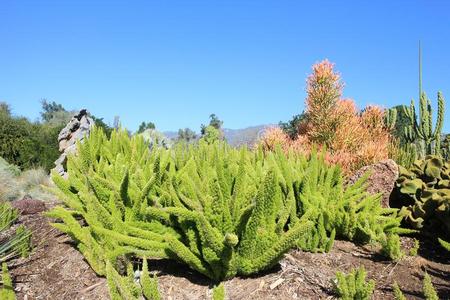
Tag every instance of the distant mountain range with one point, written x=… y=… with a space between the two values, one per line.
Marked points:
x=235 y=137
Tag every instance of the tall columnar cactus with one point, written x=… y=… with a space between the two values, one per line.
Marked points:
x=390 y=118
x=420 y=129
x=219 y=210
x=445 y=147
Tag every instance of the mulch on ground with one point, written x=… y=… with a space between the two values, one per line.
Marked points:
x=56 y=270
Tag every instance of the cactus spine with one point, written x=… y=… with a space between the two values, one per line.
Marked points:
x=420 y=129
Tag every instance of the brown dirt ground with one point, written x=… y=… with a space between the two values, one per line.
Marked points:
x=56 y=270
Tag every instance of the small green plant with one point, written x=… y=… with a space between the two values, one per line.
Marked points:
x=398 y=294
x=7 y=290
x=218 y=292
x=354 y=285
x=413 y=251
x=149 y=283
x=444 y=244
x=16 y=243
x=429 y=291
x=391 y=247
x=428 y=288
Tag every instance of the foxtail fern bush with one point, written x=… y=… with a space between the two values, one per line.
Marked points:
x=218 y=292
x=429 y=292
x=219 y=210
x=353 y=286
x=6 y=290
x=444 y=244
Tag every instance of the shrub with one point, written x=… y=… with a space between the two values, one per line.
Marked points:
x=218 y=292
x=391 y=247
x=126 y=287
x=221 y=211
x=444 y=244
x=211 y=134
x=13 y=242
x=16 y=185
x=403 y=155
x=398 y=294
x=7 y=291
x=149 y=284
x=351 y=137
x=291 y=128
x=155 y=138
x=274 y=137
x=354 y=286
x=324 y=90
x=27 y=144
x=428 y=290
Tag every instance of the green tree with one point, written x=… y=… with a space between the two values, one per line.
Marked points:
x=291 y=127
x=214 y=121
x=50 y=110
x=100 y=123
x=187 y=135
x=144 y=126
x=212 y=134
x=4 y=108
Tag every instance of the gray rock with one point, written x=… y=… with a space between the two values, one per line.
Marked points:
x=77 y=129
x=382 y=178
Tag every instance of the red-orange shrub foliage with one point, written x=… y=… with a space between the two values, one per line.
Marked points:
x=273 y=137
x=352 y=138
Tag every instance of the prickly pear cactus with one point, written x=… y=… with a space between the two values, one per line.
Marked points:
x=423 y=194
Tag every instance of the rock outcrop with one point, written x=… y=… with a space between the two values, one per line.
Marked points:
x=76 y=130
x=382 y=178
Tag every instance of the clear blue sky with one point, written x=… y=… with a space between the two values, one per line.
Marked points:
x=175 y=62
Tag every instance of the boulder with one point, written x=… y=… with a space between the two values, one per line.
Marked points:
x=76 y=130
x=382 y=178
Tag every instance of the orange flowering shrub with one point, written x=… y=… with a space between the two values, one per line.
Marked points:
x=324 y=89
x=272 y=137
x=351 y=137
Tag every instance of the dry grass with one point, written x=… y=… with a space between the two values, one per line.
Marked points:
x=15 y=185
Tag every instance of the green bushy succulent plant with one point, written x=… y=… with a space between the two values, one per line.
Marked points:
x=429 y=292
x=444 y=244
x=219 y=210
x=354 y=286
x=218 y=292
x=6 y=291
x=423 y=192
